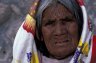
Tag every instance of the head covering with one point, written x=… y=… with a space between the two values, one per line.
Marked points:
x=71 y=5
x=24 y=48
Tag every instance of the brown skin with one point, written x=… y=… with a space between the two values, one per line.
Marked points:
x=59 y=31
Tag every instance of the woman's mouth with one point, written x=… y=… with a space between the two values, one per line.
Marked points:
x=61 y=42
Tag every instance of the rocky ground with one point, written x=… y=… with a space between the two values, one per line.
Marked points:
x=12 y=14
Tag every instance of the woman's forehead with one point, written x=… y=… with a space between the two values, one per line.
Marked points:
x=56 y=10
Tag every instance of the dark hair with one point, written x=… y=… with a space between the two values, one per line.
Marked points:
x=71 y=5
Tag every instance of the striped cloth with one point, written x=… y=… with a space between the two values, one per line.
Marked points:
x=24 y=48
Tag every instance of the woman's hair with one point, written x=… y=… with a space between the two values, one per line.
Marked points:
x=71 y=5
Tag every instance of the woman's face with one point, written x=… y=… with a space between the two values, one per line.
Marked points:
x=59 y=31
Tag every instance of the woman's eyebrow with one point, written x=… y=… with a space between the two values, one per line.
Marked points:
x=67 y=17
x=50 y=19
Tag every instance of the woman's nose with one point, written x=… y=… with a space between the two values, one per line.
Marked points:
x=59 y=29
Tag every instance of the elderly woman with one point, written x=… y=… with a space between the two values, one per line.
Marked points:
x=62 y=34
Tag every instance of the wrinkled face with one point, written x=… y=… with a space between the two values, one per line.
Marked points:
x=59 y=31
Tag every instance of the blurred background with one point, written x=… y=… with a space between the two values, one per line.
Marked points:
x=12 y=14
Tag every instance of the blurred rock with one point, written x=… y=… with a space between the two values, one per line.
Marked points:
x=7 y=35
x=11 y=19
x=5 y=13
x=16 y=9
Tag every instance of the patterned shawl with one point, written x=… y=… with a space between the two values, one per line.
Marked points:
x=24 y=48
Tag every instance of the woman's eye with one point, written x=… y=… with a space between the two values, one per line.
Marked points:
x=49 y=23
x=67 y=20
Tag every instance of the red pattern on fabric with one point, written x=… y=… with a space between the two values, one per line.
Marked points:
x=93 y=59
x=80 y=2
x=28 y=29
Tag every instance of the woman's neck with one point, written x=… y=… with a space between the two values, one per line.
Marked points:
x=52 y=60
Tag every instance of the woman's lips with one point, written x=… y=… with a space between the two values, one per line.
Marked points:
x=61 y=42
